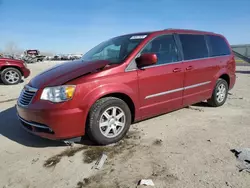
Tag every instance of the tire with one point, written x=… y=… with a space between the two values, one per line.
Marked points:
x=96 y=117
x=215 y=100
x=15 y=74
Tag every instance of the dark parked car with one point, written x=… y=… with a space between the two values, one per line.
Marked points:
x=127 y=79
x=12 y=70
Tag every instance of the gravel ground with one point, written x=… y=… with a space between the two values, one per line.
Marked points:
x=187 y=148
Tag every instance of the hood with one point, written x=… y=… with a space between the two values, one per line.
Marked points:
x=11 y=60
x=65 y=72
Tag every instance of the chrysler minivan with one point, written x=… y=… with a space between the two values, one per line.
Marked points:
x=127 y=79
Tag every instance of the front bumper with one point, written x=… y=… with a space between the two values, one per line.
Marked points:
x=52 y=124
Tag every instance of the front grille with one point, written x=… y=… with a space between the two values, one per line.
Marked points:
x=26 y=96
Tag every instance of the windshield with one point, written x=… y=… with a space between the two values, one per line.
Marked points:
x=114 y=50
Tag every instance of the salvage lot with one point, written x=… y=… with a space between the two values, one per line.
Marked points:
x=186 y=148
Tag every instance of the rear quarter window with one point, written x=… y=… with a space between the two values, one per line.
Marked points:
x=218 y=46
x=193 y=46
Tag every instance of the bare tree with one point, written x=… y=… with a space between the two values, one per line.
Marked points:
x=12 y=49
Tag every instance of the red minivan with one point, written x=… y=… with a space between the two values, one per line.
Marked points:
x=127 y=79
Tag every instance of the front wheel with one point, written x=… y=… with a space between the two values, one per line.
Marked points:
x=11 y=76
x=109 y=120
x=220 y=93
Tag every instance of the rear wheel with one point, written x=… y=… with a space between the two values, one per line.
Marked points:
x=11 y=76
x=109 y=120
x=220 y=92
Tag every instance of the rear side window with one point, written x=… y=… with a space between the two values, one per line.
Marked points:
x=193 y=46
x=218 y=46
x=164 y=47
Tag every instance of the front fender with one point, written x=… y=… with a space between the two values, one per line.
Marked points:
x=92 y=96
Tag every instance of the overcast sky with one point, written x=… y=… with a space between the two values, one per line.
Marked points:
x=68 y=26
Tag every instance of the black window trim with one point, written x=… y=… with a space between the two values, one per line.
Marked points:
x=179 y=54
x=208 y=45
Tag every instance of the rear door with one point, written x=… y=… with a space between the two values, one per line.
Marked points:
x=161 y=85
x=199 y=68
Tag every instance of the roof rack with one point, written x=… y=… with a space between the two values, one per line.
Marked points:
x=170 y=29
x=187 y=30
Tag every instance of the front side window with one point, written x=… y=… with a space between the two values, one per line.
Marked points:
x=164 y=47
x=193 y=46
x=114 y=50
x=218 y=46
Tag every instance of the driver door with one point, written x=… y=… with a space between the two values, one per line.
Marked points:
x=161 y=85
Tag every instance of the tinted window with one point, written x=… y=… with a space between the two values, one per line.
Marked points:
x=194 y=46
x=218 y=46
x=164 y=47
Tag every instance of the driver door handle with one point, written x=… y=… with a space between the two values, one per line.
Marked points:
x=177 y=70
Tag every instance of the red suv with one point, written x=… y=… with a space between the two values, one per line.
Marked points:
x=127 y=79
x=12 y=70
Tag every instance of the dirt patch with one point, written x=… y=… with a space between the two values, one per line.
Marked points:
x=92 y=153
x=110 y=178
x=96 y=182
x=122 y=150
x=126 y=159
x=161 y=173
x=53 y=161
x=157 y=142
x=133 y=135
x=87 y=181
x=194 y=108
x=237 y=98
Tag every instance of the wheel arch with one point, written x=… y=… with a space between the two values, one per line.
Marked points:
x=11 y=66
x=126 y=99
x=226 y=77
x=223 y=74
x=124 y=93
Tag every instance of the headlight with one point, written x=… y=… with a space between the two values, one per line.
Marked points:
x=58 y=93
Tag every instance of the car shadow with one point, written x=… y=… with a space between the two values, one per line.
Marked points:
x=243 y=72
x=201 y=104
x=10 y=128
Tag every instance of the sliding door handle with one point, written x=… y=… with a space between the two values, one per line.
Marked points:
x=189 y=68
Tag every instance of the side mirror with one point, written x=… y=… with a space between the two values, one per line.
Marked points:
x=146 y=59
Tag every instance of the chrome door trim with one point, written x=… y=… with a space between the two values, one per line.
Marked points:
x=176 y=90
x=197 y=85
x=163 y=93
